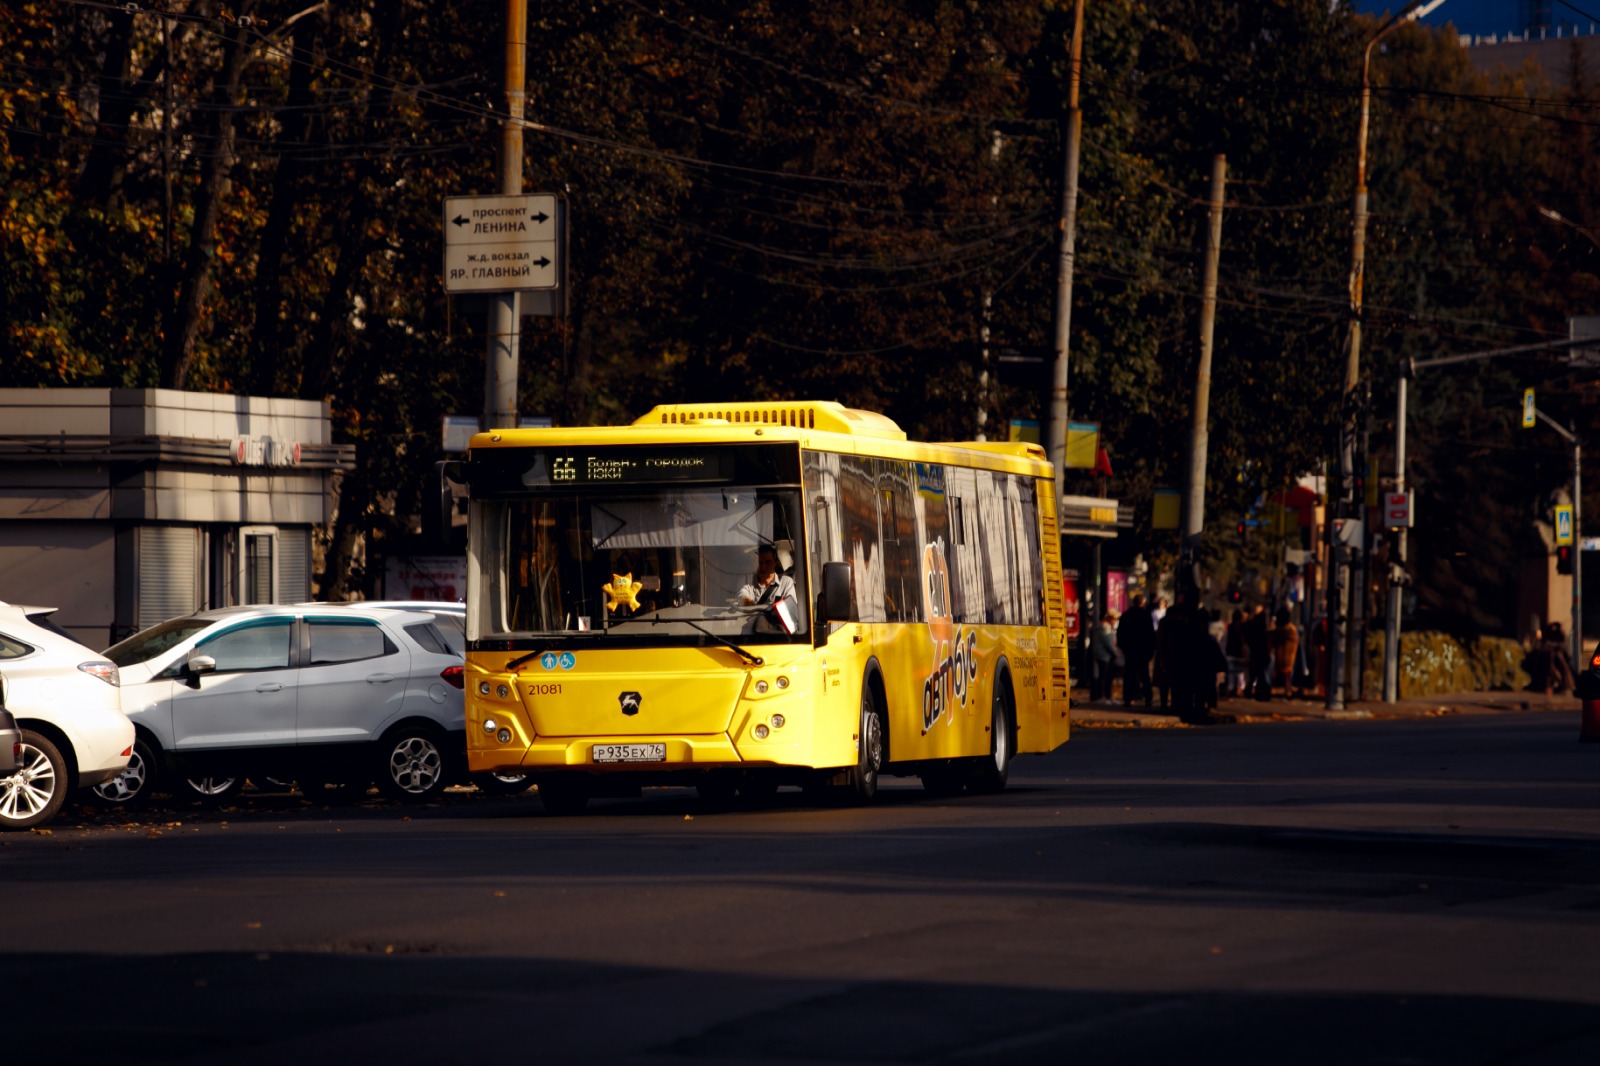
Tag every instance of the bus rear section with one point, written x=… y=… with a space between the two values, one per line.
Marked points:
x=690 y=600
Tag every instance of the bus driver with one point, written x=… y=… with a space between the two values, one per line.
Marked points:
x=769 y=585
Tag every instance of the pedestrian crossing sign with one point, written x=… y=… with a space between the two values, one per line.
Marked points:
x=1564 y=524
x=1530 y=413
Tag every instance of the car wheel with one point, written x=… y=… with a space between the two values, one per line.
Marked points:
x=212 y=789
x=413 y=767
x=492 y=784
x=862 y=783
x=37 y=788
x=133 y=786
x=991 y=773
x=564 y=794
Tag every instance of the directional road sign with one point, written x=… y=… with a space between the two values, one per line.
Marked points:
x=501 y=243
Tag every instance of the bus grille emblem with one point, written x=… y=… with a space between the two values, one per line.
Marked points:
x=630 y=702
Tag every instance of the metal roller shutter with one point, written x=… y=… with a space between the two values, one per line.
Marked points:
x=294 y=565
x=169 y=573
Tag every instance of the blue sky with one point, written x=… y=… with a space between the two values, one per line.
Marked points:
x=1488 y=16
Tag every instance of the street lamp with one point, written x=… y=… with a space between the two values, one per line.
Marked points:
x=1341 y=589
x=1557 y=216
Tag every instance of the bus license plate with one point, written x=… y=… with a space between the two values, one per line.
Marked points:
x=630 y=753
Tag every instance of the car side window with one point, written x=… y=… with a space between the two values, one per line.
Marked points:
x=13 y=649
x=453 y=628
x=428 y=637
x=347 y=640
x=259 y=645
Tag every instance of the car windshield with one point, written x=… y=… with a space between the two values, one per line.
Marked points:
x=685 y=565
x=148 y=643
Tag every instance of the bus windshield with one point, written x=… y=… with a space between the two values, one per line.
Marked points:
x=637 y=566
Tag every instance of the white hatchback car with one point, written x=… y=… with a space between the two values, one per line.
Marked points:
x=331 y=697
x=68 y=711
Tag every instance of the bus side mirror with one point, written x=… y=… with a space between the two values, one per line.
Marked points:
x=836 y=598
x=445 y=523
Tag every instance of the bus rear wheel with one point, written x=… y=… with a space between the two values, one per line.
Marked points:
x=990 y=773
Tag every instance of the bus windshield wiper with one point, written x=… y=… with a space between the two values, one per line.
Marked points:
x=753 y=660
x=545 y=646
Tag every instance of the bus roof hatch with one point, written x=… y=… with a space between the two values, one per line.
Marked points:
x=829 y=416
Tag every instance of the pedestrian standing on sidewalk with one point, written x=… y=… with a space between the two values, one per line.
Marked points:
x=1103 y=649
x=1161 y=665
x=1285 y=642
x=1238 y=658
x=1136 y=639
x=1259 y=649
x=1558 y=676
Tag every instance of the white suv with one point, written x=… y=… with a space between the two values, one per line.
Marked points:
x=331 y=697
x=68 y=712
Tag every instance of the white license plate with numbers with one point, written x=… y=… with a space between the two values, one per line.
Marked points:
x=629 y=753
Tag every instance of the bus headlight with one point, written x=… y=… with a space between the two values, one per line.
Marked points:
x=489 y=725
x=483 y=688
x=777 y=721
x=501 y=691
x=783 y=682
x=761 y=688
x=761 y=732
x=504 y=736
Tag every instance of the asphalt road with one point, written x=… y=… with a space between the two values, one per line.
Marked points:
x=1421 y=890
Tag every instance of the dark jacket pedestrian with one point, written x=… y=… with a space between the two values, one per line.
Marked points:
x=1259 y=649
x=1136 y=636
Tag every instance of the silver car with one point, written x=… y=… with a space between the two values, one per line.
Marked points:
x=330 y=697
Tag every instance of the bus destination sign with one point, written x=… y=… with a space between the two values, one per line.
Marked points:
x=554 y=468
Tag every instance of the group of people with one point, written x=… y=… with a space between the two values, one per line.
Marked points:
x=1189 y=656
x=1547 y=661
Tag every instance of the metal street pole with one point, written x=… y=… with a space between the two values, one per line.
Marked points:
x=1397 y=562
x=1067 y=254
x=500 y=361
x=1576 y=636
x=1397 y=572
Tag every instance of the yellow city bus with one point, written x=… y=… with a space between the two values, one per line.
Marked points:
x=744 y=596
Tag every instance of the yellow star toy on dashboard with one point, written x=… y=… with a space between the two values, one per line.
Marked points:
x=622 y=591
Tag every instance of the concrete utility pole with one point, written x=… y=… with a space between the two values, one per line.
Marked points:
x=1340 y=588
x=1194 y=502
x=500 y=361
x=1068 y=252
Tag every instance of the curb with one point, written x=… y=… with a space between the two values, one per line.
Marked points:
x=1111 y=713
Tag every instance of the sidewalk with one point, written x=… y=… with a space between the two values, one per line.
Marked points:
x=1111 y=713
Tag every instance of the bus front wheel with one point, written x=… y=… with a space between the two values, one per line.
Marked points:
x=862 y=783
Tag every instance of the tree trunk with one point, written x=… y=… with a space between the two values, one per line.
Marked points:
x=183 y=323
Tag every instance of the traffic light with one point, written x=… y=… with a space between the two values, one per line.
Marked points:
x=1564 y=559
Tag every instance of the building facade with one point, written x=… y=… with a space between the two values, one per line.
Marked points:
x=125 y=507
